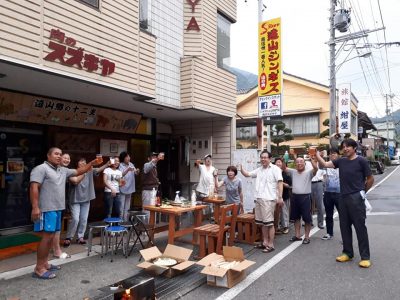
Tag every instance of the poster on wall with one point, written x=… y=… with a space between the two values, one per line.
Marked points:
x=15 y=166
x=112 y=147
x=40 y=110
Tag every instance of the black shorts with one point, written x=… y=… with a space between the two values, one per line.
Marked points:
x=301 y=208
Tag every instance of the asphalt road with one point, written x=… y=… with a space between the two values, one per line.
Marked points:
x=290 y=272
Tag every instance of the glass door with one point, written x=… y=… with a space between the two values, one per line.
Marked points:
x=20 y=151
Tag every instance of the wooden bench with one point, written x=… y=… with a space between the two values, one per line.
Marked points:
x=248 y=231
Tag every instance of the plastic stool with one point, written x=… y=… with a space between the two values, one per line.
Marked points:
x=116 y=232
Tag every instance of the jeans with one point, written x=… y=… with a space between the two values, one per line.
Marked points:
x=111 y=202
x=79 y=215
x=126 y=205
x=352 y=212
x=317 y=191
x=330 y=201
x=146 y=200
x=284 y=218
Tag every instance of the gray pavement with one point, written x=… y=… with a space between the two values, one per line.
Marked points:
x=309 y=272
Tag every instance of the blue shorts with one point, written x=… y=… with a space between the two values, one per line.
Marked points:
x=50 y=221
x=301 y=208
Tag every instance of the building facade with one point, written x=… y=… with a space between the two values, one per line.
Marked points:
x=305 y=108
x=102 y=76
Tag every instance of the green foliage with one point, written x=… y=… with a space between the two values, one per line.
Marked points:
x=279 y=134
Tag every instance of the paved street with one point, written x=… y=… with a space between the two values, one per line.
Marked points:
x=291 y=272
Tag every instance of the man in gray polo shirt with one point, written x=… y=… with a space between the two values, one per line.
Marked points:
x=47 y=195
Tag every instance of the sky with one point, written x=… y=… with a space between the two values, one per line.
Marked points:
x=305 y=31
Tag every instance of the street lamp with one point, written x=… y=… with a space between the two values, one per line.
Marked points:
x=363 y=55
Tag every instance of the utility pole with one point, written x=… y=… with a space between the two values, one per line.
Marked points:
x=332 y=69
x=260 y=19
x=387 y=121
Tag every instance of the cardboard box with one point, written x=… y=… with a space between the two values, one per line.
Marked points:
x=225 y=277
x=179 y=253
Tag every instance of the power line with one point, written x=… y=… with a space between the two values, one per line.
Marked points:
x=384 y=36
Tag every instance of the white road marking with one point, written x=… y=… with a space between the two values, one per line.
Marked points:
x=236 y=290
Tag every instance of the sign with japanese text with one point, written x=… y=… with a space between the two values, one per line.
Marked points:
x=65 y=51
x=27 y=108
x=269 y=68
x=344 y=108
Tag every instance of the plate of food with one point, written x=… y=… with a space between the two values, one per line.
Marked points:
x=165 y=262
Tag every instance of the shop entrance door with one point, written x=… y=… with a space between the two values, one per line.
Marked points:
x=20 y=151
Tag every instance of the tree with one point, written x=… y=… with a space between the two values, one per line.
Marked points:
x=280 y=134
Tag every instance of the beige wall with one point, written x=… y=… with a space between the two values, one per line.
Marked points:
x=112 y=32
x=219 y=129
x=203 y=85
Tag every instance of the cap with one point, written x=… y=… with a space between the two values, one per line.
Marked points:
x=153 y=154
x=207 y=155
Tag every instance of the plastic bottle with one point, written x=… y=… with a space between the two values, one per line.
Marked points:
x=153 y=197
x=177 y=199
x=158 y=199
x=193 y=198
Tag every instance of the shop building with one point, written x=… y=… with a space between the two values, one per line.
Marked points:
x=93 y=76
x=305 y=108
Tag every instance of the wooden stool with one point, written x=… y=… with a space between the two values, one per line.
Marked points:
x=247 y=229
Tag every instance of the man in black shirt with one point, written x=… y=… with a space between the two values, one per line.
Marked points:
x=355 y=179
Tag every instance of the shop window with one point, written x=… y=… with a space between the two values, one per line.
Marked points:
x=303 y=125
x=144 y=14
x=92 y=3
x=223 y=41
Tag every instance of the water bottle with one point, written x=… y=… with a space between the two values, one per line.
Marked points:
x=177 y=199
x=193 y=198
x=153 y=197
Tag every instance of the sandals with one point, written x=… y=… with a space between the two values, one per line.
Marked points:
x=81 y=241
x=63 y=255
x=46 y=275
x=67 y=243
x=268 y=249
x=295 y=239
x=54 y=268
x=306 y=241
x=260 y=246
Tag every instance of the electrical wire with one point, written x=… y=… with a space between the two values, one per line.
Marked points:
x=384 y=36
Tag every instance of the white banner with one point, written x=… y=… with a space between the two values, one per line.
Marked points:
x=344 y=111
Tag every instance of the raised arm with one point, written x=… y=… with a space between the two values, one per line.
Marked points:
x=76 y=179
x=323 y=163
x=244 y=172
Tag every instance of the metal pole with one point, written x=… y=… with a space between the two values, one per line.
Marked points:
x=387 y=125
x=332 y=66
x=260 y=19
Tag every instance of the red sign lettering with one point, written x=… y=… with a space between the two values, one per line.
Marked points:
x=193 y=25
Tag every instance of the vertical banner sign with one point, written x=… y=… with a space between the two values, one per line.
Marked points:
x=344 y=108
x=269 y=68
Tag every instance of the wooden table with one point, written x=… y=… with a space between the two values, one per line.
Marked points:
x=217 y=202
x=172 y=213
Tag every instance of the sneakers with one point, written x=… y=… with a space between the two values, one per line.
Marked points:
x=327 y=237
x=343 y=258
x=365 y=263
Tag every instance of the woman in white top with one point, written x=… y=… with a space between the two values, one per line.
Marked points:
x=128 y=173
x=206 y=185
x=112 y=180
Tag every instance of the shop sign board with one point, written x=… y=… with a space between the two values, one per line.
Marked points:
x=40 y=110
x=65 y=52
x=344 y=108
x=269 y=68
x=193 y=25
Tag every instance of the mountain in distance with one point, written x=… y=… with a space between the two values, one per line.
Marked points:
x=395 y=117
x=244 y=80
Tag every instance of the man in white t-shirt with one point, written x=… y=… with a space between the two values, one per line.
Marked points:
x=206 y=186
x=269 y=187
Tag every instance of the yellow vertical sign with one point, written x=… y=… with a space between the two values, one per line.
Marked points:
x=269 y=68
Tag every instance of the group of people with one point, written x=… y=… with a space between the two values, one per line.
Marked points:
x=284 y=195
x=55 y=187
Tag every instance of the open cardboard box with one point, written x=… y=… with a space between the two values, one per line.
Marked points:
x=225 y=277
x=179 y=253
